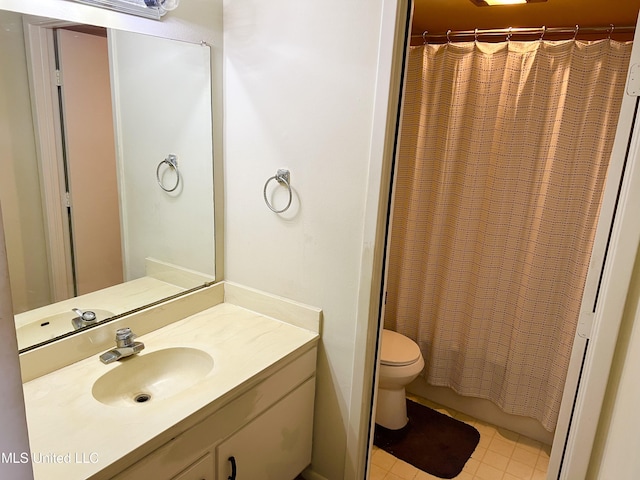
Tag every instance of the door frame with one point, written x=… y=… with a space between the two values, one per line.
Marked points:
x=39 y=42
x=605 y=295
x=394 y=35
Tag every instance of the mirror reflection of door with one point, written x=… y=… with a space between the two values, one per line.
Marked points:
x=90 y=161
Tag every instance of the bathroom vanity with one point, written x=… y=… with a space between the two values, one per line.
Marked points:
x=227 y=392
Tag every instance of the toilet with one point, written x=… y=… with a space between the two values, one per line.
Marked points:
x=400 y=363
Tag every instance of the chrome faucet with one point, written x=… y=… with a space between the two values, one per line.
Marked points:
x=84 y=318
x=125 y=346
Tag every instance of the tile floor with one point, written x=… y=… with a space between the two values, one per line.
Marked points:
x=500 y=455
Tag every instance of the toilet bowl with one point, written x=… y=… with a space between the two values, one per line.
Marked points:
x=400 y=363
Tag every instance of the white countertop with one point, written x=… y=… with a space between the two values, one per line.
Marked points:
x=74 y=436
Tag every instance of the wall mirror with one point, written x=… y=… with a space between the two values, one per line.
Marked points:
x=107 y=184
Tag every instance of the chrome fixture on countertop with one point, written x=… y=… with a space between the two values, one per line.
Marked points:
x=125 y=346
x=84 y=318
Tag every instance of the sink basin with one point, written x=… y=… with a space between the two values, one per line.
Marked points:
x=150 y=377
x=50 y=327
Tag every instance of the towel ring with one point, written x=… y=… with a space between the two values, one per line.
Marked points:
x=172 y=162
x=283 y=177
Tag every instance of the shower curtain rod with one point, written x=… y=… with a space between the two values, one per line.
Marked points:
x=542 y=31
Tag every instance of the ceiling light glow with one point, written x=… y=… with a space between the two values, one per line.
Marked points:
x=504 y=2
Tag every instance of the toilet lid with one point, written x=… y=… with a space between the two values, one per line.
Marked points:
x=398 y=349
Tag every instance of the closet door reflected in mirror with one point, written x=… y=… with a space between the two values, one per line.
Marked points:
x=89 y=162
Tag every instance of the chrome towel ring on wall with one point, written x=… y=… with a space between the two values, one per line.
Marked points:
x=283 y=177
x=172 y=162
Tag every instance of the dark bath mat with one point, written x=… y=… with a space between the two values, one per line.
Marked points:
x=431 y=441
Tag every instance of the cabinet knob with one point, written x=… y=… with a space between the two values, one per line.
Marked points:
x=233 y=468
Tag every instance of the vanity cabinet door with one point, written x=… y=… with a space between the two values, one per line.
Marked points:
x=277 y=444
x=200 y=470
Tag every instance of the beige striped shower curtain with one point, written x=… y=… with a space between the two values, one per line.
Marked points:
x=503 y=154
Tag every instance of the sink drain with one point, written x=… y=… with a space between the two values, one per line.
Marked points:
x=142 y=397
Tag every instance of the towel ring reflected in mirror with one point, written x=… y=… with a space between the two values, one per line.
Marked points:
x=172 y=162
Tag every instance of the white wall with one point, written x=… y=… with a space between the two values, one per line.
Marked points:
x=300 y=86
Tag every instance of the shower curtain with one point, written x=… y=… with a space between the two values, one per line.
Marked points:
x=503 y=154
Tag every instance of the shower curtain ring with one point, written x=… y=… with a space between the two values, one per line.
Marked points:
x=509 y=34
x=612 y=29
x=544 y=30
x=575 y=33
x=448 y=38
x=424 y=37
x=475 y=34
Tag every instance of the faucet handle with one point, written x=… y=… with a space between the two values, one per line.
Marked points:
x=124 y=337
x=110 y=356
x=84 y=318
x=87 y=315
